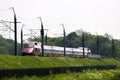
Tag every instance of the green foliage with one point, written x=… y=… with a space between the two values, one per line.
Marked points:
x=3 y=50
x=86 y=75
x=7 y=46
x=74 y=39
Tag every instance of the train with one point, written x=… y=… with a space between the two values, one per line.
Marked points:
x=34 y=48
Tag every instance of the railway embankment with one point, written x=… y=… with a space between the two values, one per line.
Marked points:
x=25 y=62
x=33 y=65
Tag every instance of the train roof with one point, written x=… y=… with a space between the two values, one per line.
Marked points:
x=56 y=47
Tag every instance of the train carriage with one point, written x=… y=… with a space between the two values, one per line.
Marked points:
x=34 y=48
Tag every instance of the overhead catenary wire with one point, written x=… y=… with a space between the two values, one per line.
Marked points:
x=33 y=20
x=26 y=19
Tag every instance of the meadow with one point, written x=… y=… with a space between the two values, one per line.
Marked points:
x=25 y=62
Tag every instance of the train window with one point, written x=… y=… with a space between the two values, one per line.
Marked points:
x=28 y=45
x=35 y=43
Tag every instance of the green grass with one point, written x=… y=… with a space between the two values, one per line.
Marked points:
x=23 y=62
x=86 y=75
x=18 y=62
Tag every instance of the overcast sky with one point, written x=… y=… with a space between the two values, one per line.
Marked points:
x=101 y=16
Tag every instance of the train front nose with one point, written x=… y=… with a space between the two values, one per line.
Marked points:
x=27 y=50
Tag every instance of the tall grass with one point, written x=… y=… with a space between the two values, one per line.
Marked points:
x=86 y=75
x=20 y=62
x=17 y=62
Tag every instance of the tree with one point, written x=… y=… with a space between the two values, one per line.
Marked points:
x=74 y=39
x=3 y=50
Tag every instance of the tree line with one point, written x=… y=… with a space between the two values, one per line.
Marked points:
x=7 y=46
x=103 y=45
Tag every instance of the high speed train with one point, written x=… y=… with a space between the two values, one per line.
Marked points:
x=34 y=48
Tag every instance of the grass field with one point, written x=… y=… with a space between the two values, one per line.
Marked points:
x=24 y=62
x=17 y=62
x=85 y=75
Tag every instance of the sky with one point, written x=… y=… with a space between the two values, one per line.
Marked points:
x=94 y=16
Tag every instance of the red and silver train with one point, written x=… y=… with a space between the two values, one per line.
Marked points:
x=34 y=48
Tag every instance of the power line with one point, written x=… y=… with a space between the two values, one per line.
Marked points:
x=25 y=19
x=4 y=23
